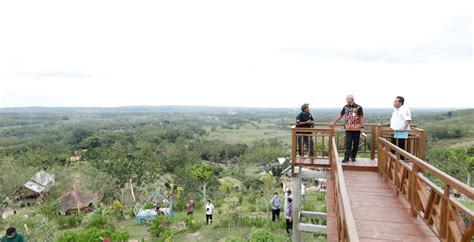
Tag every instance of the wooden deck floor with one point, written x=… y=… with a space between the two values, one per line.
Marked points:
x=379 y=213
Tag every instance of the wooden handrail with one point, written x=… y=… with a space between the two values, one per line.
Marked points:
x=425 y=166
x=434 y=204
x=343 y=205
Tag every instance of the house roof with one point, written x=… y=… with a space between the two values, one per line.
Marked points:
x=281 y=160
x=76 y=199
x=39 y=181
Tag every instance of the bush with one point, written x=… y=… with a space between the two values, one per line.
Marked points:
x=262 y=235
x=192 y=224
x=92 y=235
x=159 y=226
x=67 y=222
x=179 y=204
x=233 y=238
x=218 y=202
x=252 y=198
x=101 y=219
x=308 y=206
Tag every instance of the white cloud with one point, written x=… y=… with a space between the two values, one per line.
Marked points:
x=245 y=53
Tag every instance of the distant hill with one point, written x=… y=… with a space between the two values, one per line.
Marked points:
x=187 y=109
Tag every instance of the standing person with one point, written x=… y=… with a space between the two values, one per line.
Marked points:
x=12 y=236
x=289 y=215
x=400 y=122
x=305 y=120
x=190 y=207
x=354 y=115
x=287 y=195
x=275 y=207
x=209 y=210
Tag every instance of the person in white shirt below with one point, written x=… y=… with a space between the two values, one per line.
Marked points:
x=209 y=210
x=401 y=120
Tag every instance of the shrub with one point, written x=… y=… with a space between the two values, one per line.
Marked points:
x=233 y=238
x=262 y=235
x=92 y=235
x=67 y=222
x=159 y=226
x=192 y=224
x=101 y=219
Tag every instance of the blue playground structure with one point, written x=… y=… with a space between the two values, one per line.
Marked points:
x=147 y=214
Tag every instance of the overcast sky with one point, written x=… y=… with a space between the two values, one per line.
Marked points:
x=236 y=53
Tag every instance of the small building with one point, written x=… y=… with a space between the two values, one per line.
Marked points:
x=74 y=202
x=35 y=189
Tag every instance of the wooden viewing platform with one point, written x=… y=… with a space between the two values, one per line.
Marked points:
x=386 y=197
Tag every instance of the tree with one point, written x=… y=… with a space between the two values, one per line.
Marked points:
x=203 y=173
x=268 y=184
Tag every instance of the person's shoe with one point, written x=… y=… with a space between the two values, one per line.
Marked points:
x=345 y=160
x=353 y=159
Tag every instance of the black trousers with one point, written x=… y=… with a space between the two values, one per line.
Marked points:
x=289 y=225
x=208 y=218
x=305 y=141
x=400 y=143
x=352 y=144
x=275 y=213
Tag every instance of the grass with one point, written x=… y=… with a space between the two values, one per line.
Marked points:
x=248 y=134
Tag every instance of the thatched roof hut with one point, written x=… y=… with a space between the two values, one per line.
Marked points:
x=76 y=201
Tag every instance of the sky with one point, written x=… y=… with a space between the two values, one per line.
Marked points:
x=235 y=53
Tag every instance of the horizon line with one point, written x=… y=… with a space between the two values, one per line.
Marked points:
x=214 y=106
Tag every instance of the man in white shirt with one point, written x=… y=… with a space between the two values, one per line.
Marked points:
x=401 y=120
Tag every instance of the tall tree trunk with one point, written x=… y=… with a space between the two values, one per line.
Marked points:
x=131 y=190
x=204 y=195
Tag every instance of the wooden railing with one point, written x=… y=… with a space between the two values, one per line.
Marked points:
x=345 y=223
x=368 y=142
x=310 y=147
x=323 y=149
x=449 y=219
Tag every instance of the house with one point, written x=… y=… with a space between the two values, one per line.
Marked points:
x=74 y=202
x=35 y=189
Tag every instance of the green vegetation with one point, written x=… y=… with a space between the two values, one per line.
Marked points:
x=122 y=156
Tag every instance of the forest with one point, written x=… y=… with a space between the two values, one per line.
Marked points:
x=122 y=155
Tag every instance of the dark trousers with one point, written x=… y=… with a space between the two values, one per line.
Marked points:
x=305 y=141
x=208 y=218
x=275 y=213
x=289 y=225
x=352 y=144
x=400 y=143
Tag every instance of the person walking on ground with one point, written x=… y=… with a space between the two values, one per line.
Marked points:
x=289 y=215
x=190 y=207
x=354 y=115
x=209 y=210
x=287 y=195
x=275 y=207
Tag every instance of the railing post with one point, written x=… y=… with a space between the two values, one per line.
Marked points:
x=412 y=193
x=422 y=145
x=331 y=147
x=380 y=154
x=296 y=208
x=372 y=143
x=293 y=151
x=444 y=212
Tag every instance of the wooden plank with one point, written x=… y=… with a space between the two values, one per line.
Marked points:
x=379 y=213
x=311 y=214
x=313 y=228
